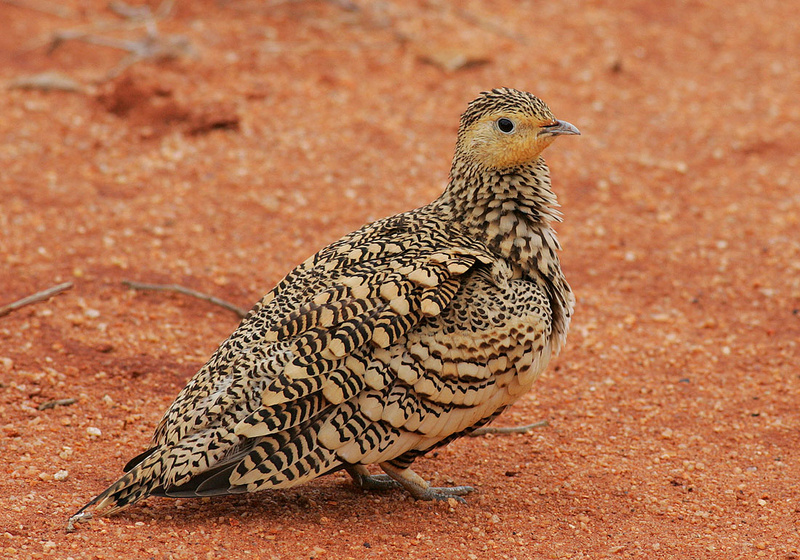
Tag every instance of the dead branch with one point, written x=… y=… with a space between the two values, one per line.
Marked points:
x=49 y=8
x=57 y=402
x=46 y=81
x=37 y=297
x=509 y=430
x=150 y=46
x=187 y=292
x=487 y=25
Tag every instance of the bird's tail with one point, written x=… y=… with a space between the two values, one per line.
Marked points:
x=139 y=482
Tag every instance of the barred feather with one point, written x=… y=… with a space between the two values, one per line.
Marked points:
x=396 y=339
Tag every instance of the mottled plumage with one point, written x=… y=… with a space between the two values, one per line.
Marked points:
x=392 y=341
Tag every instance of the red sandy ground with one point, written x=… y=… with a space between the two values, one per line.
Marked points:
x=674 y=410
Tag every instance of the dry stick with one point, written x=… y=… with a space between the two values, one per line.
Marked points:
x=510 y=430
x=490 y=26
x=41 y=6
x=152 y=46
x=187 y=292
x=477 y=21
x=37 y=297
x=58 y=402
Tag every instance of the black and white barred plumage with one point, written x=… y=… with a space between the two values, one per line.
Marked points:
x=390 y=342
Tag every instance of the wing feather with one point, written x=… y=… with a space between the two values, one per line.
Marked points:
x=295 y=390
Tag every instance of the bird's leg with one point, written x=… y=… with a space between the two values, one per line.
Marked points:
x=363 y=479
x=419 y=488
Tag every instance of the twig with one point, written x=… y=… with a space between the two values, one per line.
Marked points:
x=509 y=430
x=41 y=6
x=46 y=81
x=150 y=46
x=37 y=297
x=58 y=402
x=345 y=5
x=485 y=24
x=187 y=292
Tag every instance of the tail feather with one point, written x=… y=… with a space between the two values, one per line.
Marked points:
x=138 y=459
x=139 y=482
x=217 y=462
x=215 y=480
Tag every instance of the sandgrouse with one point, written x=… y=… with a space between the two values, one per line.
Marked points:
x=397 y=339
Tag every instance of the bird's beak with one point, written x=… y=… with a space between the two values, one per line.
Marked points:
x=558 y=128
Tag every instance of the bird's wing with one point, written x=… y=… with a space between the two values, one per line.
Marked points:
x=416 y=387
x=451 y=372
x=302 y=355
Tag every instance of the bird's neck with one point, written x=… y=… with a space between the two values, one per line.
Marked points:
x=510 y=210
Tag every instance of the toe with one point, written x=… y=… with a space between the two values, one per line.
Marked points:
x=447 y=492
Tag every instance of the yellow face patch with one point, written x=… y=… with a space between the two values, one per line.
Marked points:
x=505 y=139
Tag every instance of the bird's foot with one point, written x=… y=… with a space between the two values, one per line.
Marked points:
x=363 y=479
x=419 y=488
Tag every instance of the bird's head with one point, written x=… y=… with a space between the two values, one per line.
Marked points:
x=506 y=128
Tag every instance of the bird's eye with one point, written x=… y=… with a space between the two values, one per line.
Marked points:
x=505 y=125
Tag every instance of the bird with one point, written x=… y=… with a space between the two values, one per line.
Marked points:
x=399 y=338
